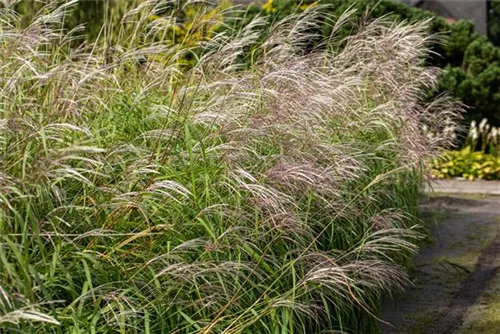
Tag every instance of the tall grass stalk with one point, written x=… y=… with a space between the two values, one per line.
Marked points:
x=140 y=197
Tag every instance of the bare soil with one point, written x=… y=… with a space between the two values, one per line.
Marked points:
x=453 y=268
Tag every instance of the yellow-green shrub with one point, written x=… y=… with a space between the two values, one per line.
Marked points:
x=467 y=164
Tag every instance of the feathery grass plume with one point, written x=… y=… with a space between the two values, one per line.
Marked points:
x=141 y=195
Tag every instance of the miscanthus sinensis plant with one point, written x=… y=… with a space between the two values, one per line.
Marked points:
x=137 y=197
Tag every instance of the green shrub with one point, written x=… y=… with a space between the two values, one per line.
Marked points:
x=467 y=164
x=494 y=22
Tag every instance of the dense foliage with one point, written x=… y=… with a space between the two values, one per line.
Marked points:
x=468 y=164
x=494 y=21
x=87 y=17
x=139 y=196
x=478 y=159
x=471 y=62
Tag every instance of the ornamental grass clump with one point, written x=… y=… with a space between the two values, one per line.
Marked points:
x=137 y=197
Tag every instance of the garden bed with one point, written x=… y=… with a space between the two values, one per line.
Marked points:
x=252 y=182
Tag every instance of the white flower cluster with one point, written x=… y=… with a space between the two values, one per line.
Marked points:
x=487 y=136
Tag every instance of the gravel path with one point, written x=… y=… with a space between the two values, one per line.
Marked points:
x=453 y=268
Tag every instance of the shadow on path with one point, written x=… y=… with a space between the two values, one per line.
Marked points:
x=474 y=284
x=452 y=269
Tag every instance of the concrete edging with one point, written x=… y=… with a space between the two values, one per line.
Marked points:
x=459 y=186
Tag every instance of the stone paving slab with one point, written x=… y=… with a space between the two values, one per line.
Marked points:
x=453 y=270
x=458 y=186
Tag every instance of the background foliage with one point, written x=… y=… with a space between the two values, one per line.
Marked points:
x=478 y=159
x=467 y=164
x=494 y=21
x=471 y=62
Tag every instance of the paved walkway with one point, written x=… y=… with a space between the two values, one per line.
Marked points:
x=454 y=288
x=456 y=186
